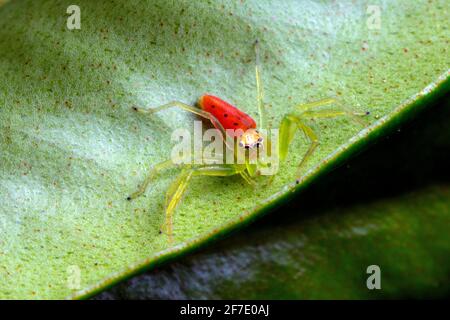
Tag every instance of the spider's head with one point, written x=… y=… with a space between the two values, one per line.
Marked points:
x=251 y=139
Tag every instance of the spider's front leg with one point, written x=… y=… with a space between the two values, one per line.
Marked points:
x=297 y=121
x=177 y=104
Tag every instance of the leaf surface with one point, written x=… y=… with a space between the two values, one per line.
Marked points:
x=72 y=149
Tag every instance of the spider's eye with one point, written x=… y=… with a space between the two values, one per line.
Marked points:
x=241 y=144
x=247 y=147
x=260 y=139
x=258 y=144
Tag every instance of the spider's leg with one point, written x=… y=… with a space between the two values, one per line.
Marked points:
x=311 y=135
x=264 y=123
x=315 y=104
x=307 y=111
x=292 y=122
x=186 y=107
x=323 y=114
x=259 y=89
x=289 y=126
x=176 y=190
x=168 y=164
x=173 y=197
x=152 y=174
x=314 y=142
x=244 y=174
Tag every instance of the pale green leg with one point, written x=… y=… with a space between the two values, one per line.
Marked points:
x=323 y=114
x=263 y=121
x=314 y=142
x=306 y=108
x=173 y=196
x=178 y=187
x=168 y=164
x=244 y=174
x=330 y=114
x=259 y=89
x=306 y=112
x=289 y=126
x=292 y=122
x=314 y=104
x=188 y=108
x=153 y=172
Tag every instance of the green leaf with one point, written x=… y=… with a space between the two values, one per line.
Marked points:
x=72 y=149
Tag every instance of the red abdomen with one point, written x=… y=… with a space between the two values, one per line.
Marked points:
x=228 y=115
